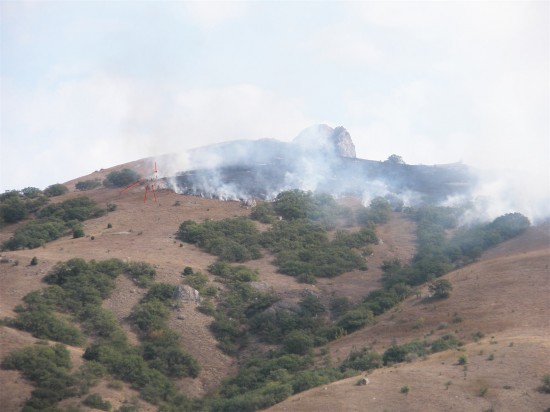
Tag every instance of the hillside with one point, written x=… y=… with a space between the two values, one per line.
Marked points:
x=489 y=296
x=504 y=296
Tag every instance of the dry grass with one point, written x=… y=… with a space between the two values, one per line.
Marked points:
x=490 y=296
x=504 y=296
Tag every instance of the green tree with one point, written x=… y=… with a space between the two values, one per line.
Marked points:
x=56 y=190
x=440 y=288
x=121 y=178
x=13 y=210
x=88 y=184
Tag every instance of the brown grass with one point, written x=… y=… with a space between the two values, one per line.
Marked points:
x=504 y=295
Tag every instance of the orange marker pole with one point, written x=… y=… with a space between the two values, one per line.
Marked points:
x=128 y=187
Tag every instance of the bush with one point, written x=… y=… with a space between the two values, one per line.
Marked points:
x=545 y=387
x=141 y=272
x=34 y=261
x=298 y=342
x=43 y=324
x=48 y=368
x=232 y=240
x=445 y=342
x=394 y=354
x=54 y=221
x=264 y=213
x=88 y=184
x=13 y=210
x=56 y=190
x=95 y=401
x=440 y=288
x=80 y=208
x=362 y=360
x=355 y=319
x=121 y=178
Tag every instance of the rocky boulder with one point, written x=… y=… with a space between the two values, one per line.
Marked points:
x=186 y=294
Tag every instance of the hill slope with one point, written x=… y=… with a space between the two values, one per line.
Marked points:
x=489 y=296
x=504 y=296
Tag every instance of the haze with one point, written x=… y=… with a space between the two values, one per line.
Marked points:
x=87 y=85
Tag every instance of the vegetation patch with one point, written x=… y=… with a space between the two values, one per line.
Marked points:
x=232 y=240
x=54 y=221
x=77 y=289
x=121 y=178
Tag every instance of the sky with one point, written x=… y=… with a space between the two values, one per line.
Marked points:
x=86 y=85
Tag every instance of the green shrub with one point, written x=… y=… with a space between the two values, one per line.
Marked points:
x=45 y=325
x=54 y=221
x=95 y=401
x=13 y=209
x=48 y=368
x=197 y=281
x=440 y=288
x=395 y=354
x=298 y=342
x=228 y=273
x=55 y=190
x=36 y=233
x=445 y=342
x=545 y=387
x=362 y=360
x=34 y=261
x=462 y=360
x=163 y=292
x=78 y=232
x=88 y=184
x=232 y=240
x=264 y=213
x=80 y=208
x=121 y=178
x=355 y=319
x=141 y=272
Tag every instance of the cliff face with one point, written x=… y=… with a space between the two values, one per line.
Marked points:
x=342 y=141
x=325 y=139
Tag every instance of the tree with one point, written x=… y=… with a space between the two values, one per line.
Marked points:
x=298 y=342
x=88 y=184
x=31 y=192
x=13 y=210
x=121 y=178
x=440 y=288
x=56 y=190
x=395 y=159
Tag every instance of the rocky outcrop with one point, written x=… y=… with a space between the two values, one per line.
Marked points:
x=186 y=294
x=323 y=138
x=341 y=140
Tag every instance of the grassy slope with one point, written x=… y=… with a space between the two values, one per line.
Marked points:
x=146 y=232
x=505 y=296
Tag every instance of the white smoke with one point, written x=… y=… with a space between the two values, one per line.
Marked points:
x=310 y=163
